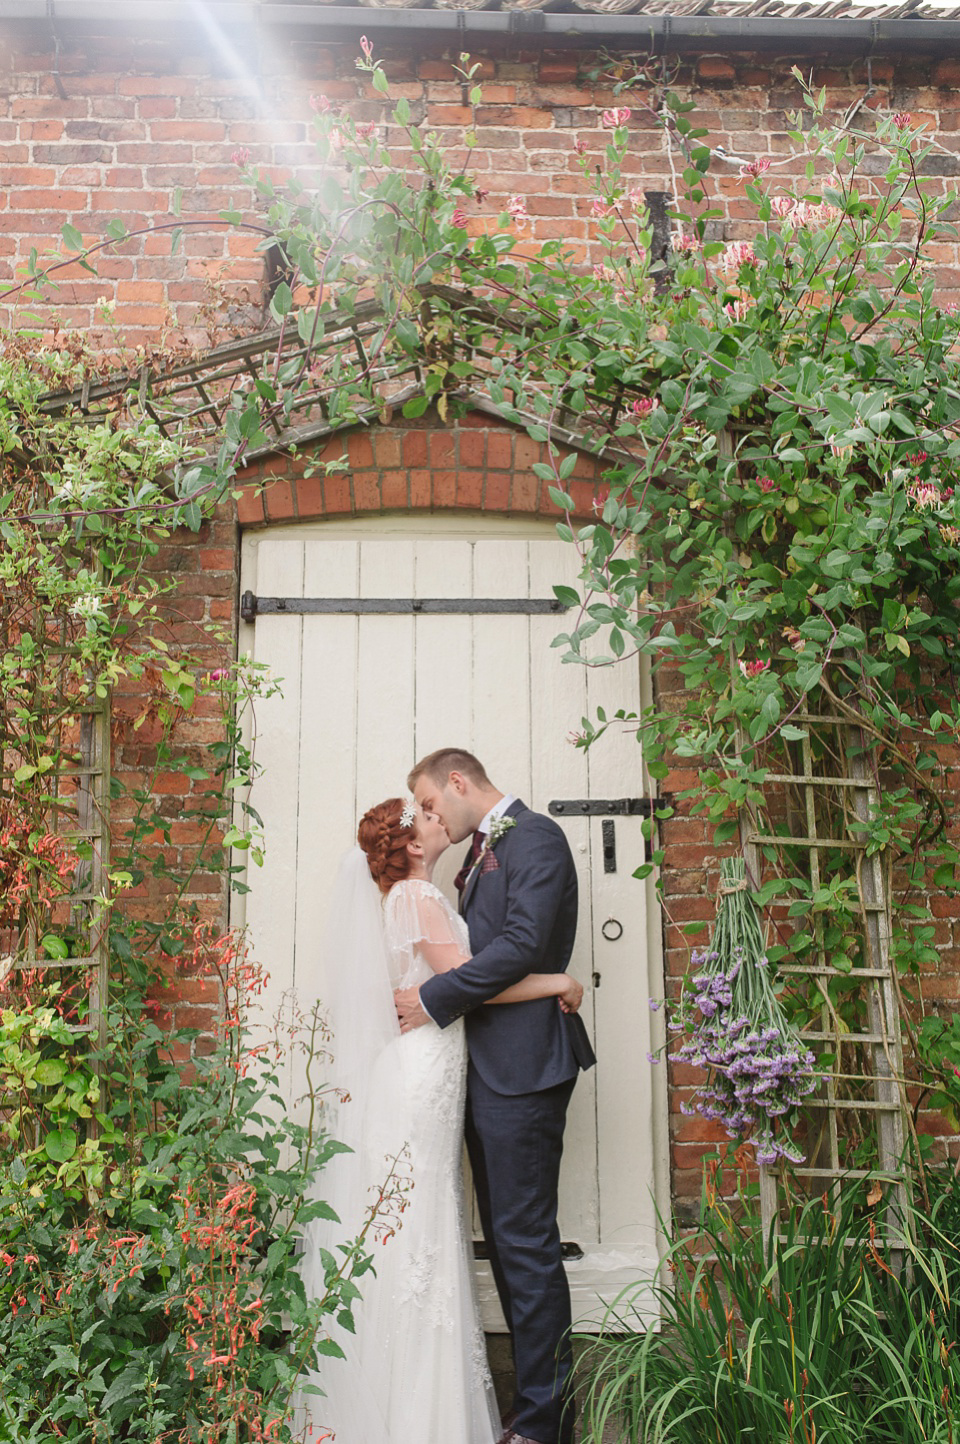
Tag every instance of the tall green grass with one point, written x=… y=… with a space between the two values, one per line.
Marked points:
x=825 y=1335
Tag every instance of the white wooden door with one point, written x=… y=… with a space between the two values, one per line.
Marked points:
x=362 y=697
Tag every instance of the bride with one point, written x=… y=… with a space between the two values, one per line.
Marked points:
x=416 y=1368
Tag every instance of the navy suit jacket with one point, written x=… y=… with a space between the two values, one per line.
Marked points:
x=522 y=916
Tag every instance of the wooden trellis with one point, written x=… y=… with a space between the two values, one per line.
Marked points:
x=80 y=818
x=865 y=1073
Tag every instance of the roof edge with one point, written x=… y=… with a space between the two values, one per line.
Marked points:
x=673 y=33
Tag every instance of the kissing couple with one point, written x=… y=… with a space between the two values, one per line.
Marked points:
x=449 y=1025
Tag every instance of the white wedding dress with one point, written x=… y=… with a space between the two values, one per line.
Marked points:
x=416 y=1372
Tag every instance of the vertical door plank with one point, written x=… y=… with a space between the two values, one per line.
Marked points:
x=559 y=770
x=385 y=676
x=328 y=762
x=272 y=905
x=501 y=663
x=624 y=1087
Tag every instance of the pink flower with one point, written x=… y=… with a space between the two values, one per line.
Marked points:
x=240 y=156
x=951 y=535
x=320 y=104
x=782 y=206
x=601 y=208
x=219 y=673
x=599 y=502
x=925 y=495
x=738 y=253
x=602 y=273
x=767 y=484
x=366 y=46
x=756 y=167
x=754 y=669
x=580 y=146
x=365 y=131
x=614 y=119
x=644 y=405
x=516 y=207
x=686 y=243
x=739 y=309
x=902 y=119
x=459 y=219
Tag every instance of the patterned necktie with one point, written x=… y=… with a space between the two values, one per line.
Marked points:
x=476 y=847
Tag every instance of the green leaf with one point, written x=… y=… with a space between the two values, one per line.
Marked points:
x=72 y=238
x=281 y=302
x=54 y=947
x=50 y=1071
x=60 y=1145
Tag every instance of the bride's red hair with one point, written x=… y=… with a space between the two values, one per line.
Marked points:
x=385 y=843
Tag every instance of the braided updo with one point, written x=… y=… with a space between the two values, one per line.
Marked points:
x=385 y=843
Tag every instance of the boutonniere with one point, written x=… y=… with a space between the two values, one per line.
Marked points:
x=498 y=827
x=486 y=861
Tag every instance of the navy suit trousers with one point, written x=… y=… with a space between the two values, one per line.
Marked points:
x=515 y=1142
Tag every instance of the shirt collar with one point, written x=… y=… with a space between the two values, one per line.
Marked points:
x=497 y=810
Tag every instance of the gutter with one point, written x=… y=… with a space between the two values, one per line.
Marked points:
x=550 y=29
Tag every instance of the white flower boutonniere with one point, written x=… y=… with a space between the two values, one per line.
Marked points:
x=498 y=827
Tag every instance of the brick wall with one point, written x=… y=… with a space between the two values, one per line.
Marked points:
x=117 y=122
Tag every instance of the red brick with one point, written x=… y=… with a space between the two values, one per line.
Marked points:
x=470 y=488
x=472 y=448
x=497 y=493
x=421 y=488
x=445 y=488
x=394 y=489
x=366 y=492
x=500 y=451
x=525 y=493
x=414 y=447
x=278 y=496
x=250 y=506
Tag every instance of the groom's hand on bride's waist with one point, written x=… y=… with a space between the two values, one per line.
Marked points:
x=410 y=1010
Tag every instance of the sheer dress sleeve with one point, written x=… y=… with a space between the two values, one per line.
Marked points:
x=415 y=913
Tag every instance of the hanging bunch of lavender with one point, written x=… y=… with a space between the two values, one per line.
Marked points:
x=759 y=1070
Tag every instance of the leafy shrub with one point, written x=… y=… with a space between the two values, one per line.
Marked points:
x=826 y=1332
x=148 y=1276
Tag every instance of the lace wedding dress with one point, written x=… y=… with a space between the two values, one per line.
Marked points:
x=416 y=1369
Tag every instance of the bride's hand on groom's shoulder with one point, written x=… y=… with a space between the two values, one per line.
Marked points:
x=571 y=997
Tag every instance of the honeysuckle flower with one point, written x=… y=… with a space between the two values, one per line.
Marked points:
x=580 y=146
x=842 y=453
x=458 y=219
x=602 y=209
x=902 y=119
x=950 y=534
x=366 y=46
x=766 y=483
x=600 y=499
x=614 y=119
x=366 y=130
x=756 y=167
x=516 y=207
x=793 y=639
x=643 y=405
x=685 y=243
x=737 y=253
x=783 y=206
x=320 y=104
x=754 y=668
x=602 y=273
x=739 y=309
x=240 y=156
x=924 y=495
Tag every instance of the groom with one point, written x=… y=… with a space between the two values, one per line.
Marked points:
x=518 y=891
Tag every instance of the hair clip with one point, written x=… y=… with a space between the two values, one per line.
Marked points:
x=409 y=814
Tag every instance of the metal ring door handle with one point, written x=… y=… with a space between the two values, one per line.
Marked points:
x=611 y=924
